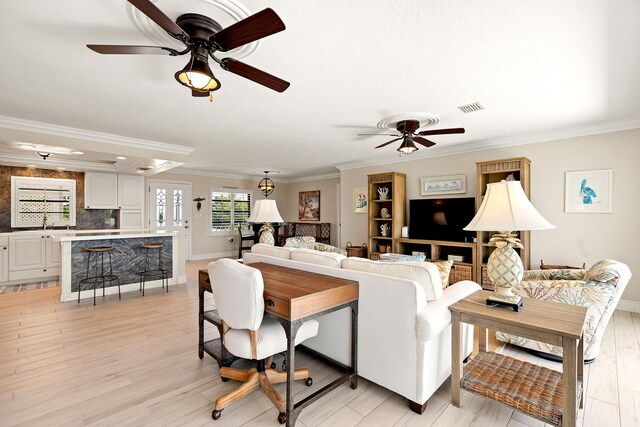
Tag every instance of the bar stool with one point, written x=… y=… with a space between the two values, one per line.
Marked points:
x=99 y=252
x=159 y=272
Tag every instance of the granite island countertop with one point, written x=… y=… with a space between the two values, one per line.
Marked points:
x=114 y=234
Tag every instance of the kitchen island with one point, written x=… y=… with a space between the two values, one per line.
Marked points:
x=127 y=259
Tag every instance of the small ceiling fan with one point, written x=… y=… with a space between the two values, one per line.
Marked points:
x=409 y=137
x=202 y=37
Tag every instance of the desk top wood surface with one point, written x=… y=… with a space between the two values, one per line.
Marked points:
x=544 y=319
x=298 y=293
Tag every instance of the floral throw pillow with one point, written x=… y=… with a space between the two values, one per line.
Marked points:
x=602 y=271
x=444 y=267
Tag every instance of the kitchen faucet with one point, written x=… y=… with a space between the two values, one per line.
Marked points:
x=44 y=221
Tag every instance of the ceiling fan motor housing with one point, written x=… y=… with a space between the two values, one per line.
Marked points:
x=198 y=26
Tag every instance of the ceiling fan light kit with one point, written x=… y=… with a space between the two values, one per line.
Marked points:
x=197 y=75
x=203 y=37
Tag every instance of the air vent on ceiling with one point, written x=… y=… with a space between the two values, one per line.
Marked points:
x=470 y=108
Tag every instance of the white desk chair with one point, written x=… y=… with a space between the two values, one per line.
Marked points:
x=238 y=293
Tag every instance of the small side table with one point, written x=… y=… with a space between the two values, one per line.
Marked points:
x=537 y=391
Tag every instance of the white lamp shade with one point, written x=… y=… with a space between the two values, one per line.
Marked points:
x=265 y=210
x=506 y=208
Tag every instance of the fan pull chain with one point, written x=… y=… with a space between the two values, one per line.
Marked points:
x=210 y=96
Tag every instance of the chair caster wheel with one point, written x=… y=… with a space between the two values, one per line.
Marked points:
x=308 y=381
x=284 y=366
x=273 y=365
x=224 y=379
x=216 y=414
x=282 y=417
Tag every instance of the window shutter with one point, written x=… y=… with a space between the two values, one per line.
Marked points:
x=241 y=209
x=220 y=211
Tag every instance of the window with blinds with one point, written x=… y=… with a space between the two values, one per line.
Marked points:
x=36 y=202
x=229 y=210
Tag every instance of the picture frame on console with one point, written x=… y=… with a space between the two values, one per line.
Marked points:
x=309 y=205
x=450 y=184
x=588 y=191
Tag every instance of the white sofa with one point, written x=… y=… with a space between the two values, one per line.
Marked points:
x=404 y=325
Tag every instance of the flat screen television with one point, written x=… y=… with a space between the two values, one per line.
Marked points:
x=441 y=219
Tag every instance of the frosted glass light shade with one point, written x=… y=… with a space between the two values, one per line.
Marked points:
x=265 y=210
x=506 y=208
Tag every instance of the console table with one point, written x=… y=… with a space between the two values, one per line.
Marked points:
x=291 y=297
x=539 y=392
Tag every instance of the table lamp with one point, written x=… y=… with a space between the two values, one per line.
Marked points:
x=506 y=207
x=265 y=211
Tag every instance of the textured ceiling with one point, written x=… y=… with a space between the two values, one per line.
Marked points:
x=537 y=67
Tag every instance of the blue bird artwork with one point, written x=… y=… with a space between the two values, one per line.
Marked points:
x=587 y=193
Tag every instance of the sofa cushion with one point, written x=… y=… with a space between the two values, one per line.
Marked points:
x=305 y=242
x=425 y=273
x=330 y=259
x=405 y=258
x=274 y=251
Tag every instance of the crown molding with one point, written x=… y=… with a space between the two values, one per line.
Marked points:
x=250 y=177
x=535 y=138
x=311 y=178
x=53 y=163
x=107 y=138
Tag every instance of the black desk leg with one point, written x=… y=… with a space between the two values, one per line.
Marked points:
x=200 y=322
x=354 y=345
x=291 y=330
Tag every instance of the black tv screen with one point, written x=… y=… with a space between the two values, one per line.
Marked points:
x=441 y=219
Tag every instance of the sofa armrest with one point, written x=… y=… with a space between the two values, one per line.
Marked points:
x=435 y=317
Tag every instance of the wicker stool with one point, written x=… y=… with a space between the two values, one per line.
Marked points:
x=153 y=273
x=99 y=252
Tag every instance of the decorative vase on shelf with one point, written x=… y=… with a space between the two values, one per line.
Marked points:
x=384 y=230
x=383 y=192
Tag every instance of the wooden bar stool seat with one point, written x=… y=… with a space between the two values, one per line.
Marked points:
x=153 y=273
x=99 y=274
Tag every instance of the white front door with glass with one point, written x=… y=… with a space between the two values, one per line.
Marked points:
x=170 y=209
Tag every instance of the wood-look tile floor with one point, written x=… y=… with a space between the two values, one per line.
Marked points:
x=134 y=362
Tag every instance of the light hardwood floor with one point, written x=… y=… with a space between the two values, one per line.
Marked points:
x=134 y=362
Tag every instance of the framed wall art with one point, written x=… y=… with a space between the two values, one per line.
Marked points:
x=451 y=184
x=360 y=200
x=588 y=191
x=309 y=205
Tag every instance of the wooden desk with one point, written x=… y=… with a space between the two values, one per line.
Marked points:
x=547 y=321
x=293 y=296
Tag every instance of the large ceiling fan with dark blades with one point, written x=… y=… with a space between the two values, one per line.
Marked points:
x=202 y=37
x=409 y=137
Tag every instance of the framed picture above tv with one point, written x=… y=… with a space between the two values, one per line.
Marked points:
x=450 y=184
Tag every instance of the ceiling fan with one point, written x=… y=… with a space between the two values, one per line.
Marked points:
x=409 y=137
x=202 y=37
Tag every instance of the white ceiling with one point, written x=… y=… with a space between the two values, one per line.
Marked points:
x=540 y=69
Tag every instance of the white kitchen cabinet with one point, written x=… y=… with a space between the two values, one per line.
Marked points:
x=130 y=219
x=4 y=259
x=100 y=190
x=131 y=192
x=33 y=257
x=52 y=252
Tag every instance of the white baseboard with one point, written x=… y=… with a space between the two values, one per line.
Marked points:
x=213 y=255
x=626 y=305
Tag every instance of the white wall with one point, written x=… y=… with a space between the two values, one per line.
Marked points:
x=328 y=202
x=202 y=244
x=577 y=238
